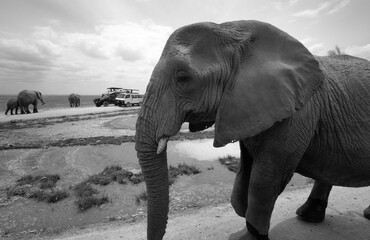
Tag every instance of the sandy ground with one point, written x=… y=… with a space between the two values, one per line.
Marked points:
x=192 y=217
x=344 y=220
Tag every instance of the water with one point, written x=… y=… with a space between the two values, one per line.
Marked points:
x=51 y=102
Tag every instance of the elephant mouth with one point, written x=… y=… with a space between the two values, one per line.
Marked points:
x=196 y=127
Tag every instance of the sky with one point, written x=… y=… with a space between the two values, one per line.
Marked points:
x=86 y=46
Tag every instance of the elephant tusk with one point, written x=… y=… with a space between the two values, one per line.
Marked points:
x=162 y=144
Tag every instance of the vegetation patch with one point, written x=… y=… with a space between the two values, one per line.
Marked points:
x=115 y=173
x=89 y=196
x=181 y=169
x=231 y=163
x=39 y=187
x=91 y=201
x=51 y=196
x=43 y=187
x=141 y=197
x=84 y=189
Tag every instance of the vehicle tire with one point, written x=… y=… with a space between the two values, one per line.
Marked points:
x=140 y=103
x=128 y=104
x=97 y=105
x=105 y=103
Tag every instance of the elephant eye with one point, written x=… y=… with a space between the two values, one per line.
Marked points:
x=182 y=78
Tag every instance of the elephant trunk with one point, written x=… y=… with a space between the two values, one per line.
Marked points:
x=155 y=171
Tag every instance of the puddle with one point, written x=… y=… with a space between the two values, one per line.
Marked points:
x=203 y=150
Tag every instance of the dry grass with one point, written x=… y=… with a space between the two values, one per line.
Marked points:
x=91 y=201
x=181 y=169
x=231 y=163
x=39 y=187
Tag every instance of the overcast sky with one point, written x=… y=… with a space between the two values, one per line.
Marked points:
x=85 y=46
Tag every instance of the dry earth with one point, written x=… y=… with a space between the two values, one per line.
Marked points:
x=77 y=143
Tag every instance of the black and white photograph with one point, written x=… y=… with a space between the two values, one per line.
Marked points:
x=184 y=120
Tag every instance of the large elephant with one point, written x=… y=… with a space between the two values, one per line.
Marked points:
x=290 y=112
x=10 y=105
x=27 y=97
x=74 y=100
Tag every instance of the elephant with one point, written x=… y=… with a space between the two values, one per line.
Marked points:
x=27 y=97
x=74 y=100
x=10 y=105
x=289 y=110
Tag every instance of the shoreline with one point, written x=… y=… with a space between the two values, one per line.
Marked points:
x=62 y=112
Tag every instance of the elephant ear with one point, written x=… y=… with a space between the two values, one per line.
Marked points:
x=276 y=76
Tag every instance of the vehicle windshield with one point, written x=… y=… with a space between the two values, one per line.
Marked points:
x=121 y=95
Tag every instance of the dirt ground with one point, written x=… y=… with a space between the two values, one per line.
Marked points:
x=77 y=143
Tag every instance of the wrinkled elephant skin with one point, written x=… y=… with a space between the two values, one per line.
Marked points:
x=290 y=111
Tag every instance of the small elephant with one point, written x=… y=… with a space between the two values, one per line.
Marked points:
x=74 y=100
x=27 y=97
x=289 y=110
x=10 y=105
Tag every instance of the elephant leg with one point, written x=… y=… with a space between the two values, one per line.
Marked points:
x=6 y=112
x=267 y=181
x=367 y=212
x=313 y=210
x=11 y=111
x=35 y=108
x=239 y=196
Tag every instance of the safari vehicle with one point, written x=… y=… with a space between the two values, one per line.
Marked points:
x=130 y=98
x=109 y=97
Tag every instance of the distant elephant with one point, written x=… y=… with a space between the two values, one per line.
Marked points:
x=290 y=112
x=27 y=97
x=10 y=105
x=74 y=100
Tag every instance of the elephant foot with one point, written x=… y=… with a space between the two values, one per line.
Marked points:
x=367 y=212
x=313 y=210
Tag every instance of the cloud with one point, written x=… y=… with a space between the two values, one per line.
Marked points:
x=318 y=49
x=312 y=12
x=128 y=54
x=16 y=50
x=339 y=5
x=61 y=61
x=328 y=7
x=359 y=51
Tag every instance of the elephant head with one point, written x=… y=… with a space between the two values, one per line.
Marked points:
x=39 y=96
x=241 y=76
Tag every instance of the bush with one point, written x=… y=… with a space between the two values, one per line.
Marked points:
x=141 y=197
x=89 y=202
x=84 y=189
x=49 y=196
x=231 y=163
x=181 y=169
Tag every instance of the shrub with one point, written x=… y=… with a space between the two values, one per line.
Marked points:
x=89 y=202
x=181 y=169
x=231 y=163
x=141 y=197
x=84 y=189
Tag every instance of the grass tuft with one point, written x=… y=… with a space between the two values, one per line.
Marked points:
x=141 y=197
x=84 y=189
x=89 y=202
x=230 y=162
x=52 y=196
x=110 y=174
x=181 y=169
x=39 y=187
